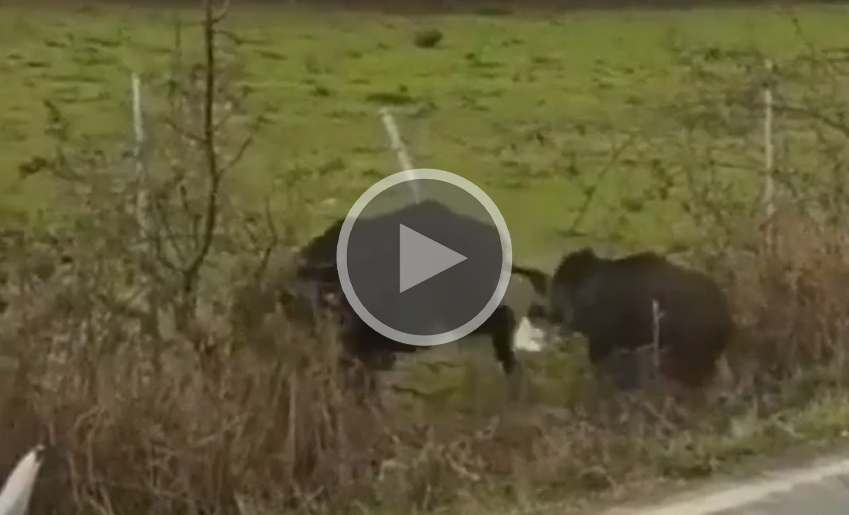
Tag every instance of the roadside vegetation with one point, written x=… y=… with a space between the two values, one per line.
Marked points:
x=139 y=335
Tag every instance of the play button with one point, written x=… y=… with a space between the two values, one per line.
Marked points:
x=424 y=272
x=422 y=258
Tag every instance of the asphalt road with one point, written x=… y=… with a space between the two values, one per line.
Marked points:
x=820 y=488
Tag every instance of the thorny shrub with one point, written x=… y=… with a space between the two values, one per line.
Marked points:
x=783 y=259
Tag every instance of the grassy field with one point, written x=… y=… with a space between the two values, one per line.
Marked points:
x=475 y=105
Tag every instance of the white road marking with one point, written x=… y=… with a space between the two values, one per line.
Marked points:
x=816 y=488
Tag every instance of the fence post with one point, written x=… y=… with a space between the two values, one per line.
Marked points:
x=150 y=324
x=138 y=149
x=400 y=149
x=769 y=152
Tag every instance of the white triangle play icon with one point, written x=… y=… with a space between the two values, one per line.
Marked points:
x=423 y=258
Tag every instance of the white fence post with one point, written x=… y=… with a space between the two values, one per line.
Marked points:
x=138 y=149
x=151 y=322
x=400 y=149
x=769 y=156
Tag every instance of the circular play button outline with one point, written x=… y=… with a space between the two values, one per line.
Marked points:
x=494 y=214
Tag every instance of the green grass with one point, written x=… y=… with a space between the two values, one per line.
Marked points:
x=581 y=79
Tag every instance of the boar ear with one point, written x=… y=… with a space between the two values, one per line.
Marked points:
x=577 y=266
x=584 y=257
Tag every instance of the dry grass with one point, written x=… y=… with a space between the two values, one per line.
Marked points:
x=154 y=427
x=792 y=298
